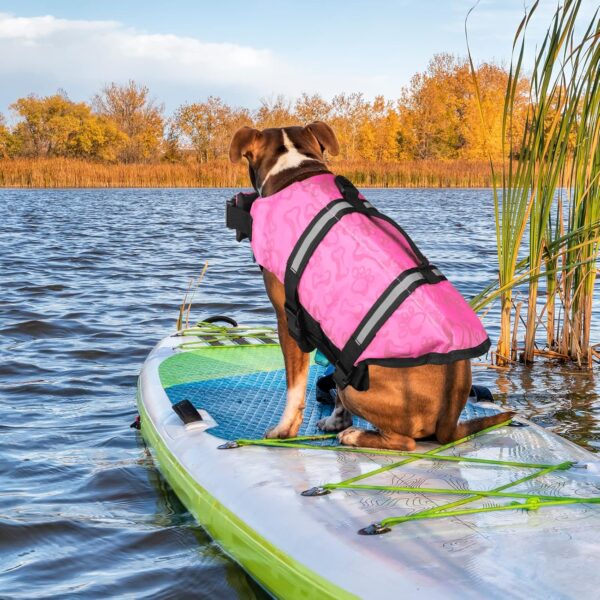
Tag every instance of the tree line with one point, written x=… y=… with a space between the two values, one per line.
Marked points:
x=436 y=117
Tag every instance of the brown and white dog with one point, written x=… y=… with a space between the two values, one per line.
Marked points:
x=405 y=403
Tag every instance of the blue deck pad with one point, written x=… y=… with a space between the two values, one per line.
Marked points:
x=245 y=406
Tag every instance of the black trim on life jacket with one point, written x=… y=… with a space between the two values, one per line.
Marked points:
x=350 y=193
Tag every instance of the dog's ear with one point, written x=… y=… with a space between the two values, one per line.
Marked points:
x=242 y=142
x=325 y=137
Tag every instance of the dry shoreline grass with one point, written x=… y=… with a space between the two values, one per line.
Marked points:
x=73 y=173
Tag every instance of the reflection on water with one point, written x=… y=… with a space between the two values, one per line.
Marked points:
x=563 y=399
x=89 y=281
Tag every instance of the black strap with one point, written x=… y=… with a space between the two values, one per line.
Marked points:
x=379 y=313
x=420 y=258
x=308 y=242
x=351 y=194
x=303 y=250
x=302 y=327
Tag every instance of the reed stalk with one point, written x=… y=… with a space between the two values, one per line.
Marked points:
x=555 y=231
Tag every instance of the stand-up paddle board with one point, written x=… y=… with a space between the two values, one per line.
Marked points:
x=510 y=512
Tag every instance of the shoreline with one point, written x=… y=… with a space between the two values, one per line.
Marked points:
x=225 y=187
x=70 y=173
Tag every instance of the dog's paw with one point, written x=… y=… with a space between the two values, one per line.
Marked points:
x=280 y=432
x=334 y=423
x=350 y=436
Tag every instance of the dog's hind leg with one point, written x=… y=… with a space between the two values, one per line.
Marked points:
x=296 y=371
x=338 y=420
x=353 y=436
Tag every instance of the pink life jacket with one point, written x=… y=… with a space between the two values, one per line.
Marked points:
x=357 y=287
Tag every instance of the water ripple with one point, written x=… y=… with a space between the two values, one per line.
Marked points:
x=89 y=281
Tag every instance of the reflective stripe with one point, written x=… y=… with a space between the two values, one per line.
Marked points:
x=386 y=303
x=315 y=230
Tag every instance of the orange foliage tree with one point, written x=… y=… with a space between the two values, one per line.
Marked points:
x=56 y=126
x=138 y=116
x=436 y=118
x=209 y=126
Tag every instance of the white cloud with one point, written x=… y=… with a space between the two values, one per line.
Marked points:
x=30 y=28
x=42 y=54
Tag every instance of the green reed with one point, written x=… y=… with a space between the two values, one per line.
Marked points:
x=555 y=161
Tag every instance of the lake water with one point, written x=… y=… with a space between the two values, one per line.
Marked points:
x=89 y=281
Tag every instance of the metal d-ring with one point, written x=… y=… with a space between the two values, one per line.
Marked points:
x=316 y=491
x=374 y=529
x=228 y=445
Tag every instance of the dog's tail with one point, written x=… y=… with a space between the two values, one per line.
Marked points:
x=445 y=433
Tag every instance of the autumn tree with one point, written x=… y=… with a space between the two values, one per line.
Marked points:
x=311 y=108
x=387 y=138
x=56 y=126
x=172 y=151
x=441 y=115
x=432 y=107
x=378 y=131
x=482 y=125
x=8 y=145
x=348 y=112
x=209 y=126
x=137 y=115
x=275 y=112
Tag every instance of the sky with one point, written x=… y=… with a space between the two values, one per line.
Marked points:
x=243 y=51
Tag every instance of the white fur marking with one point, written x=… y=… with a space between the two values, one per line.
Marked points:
x=290 y=159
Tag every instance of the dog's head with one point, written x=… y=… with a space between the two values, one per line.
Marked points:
x=279 y=156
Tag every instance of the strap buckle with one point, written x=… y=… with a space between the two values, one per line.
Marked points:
x=351 y=194
x=297 y=328
x=430 y=273
x=341 y=376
